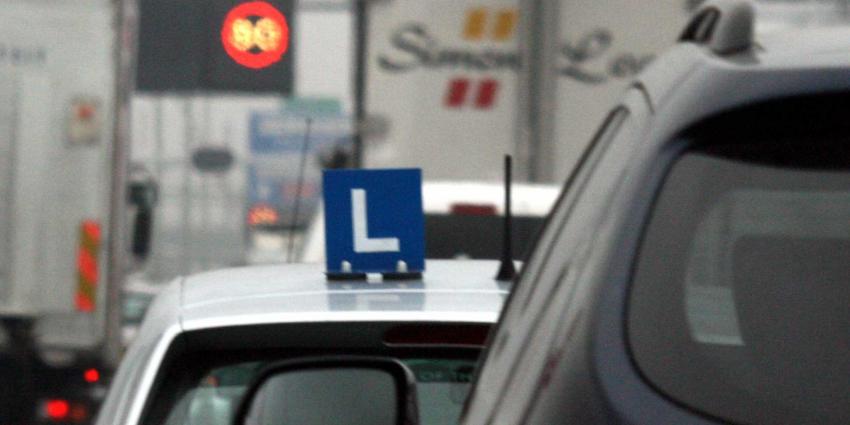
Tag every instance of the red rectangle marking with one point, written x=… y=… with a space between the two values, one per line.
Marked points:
x=456 y=94
x=486 y=94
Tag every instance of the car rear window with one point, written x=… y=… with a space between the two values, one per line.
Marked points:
x=740 y=304
x=442 y=385
x=477 y=236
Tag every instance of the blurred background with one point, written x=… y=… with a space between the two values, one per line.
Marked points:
x=393 y=83
x=148 y=139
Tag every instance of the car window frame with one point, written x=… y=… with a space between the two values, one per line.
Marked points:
x=685 y=145
x=571 y=259
x=614 y=373
x=575 y=185
x=164 y=395
x=560 y=212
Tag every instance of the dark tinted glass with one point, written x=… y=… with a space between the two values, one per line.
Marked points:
x=478 y=237
x=211 y=396
x=333 y=396
x=180 y=50
x=740 y=306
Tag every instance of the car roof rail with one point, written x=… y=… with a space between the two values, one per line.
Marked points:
x=723 y=26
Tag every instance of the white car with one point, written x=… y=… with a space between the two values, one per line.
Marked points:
x=138 y=295
x=206 y=337
x=463 y=219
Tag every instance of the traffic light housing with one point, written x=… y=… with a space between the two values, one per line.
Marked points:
x=215 y=45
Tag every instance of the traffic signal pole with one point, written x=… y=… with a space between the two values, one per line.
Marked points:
x=535 y=129
x=125 y=27
x=361 y=40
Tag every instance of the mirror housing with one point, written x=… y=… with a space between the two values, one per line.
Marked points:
x=331 y=390
x=143 y=195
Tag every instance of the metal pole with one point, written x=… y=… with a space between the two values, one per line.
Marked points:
x=305 y=149
x=125 y=22
x=205 y=211
x=155 y=267
x=231 y=203
x=159 y=140
x=535 y=148
x=8 y=208
x=361 y=35
x=186 y=223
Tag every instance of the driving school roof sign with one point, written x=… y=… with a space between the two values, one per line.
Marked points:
x=374 y=223
x=255 y=34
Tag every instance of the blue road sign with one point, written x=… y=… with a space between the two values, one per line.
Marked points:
x=374 y=221
x=276 y=140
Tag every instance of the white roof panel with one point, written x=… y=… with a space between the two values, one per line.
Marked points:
x=449 y=291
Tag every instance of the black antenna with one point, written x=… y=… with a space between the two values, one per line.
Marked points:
x=298 y=187
x=507 y=271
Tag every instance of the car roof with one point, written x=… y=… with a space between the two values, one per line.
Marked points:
x=449 y=290
x=796 y=46
x=691 y=82
x=230 y=308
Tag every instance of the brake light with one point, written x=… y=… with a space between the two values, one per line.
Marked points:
x=437 y=335
x=79 y=413
x=60 y=410
x=262 y=214
x=57 y=410
x=91 y=376
x=473 y=209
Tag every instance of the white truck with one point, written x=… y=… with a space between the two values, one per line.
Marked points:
x=445 y=76
x=459 y=83
x=64 y=81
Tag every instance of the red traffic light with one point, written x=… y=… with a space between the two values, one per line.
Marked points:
x=255 y=34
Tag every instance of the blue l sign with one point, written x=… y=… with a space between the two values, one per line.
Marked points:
x=374 y=221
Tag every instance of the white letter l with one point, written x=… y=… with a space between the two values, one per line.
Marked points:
x=362 y=242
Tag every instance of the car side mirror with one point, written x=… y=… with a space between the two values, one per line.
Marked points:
x=143 y=195
x=331 y=391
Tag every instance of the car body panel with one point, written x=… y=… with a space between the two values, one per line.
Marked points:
x=582 y=372
x=449 y=292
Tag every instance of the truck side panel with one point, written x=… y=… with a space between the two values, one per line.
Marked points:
x=57 y=67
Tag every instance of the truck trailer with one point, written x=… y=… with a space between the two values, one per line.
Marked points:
x=65 y=76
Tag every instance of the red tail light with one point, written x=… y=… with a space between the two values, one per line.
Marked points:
x=79 y=413
x=92 y=376
x=57 y=410
x=262 y=214
x=473 y=209
x=60 y=410
x=437 y=335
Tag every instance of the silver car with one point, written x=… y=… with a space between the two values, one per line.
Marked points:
x=206 y=337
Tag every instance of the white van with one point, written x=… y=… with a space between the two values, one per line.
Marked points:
x=463 y=219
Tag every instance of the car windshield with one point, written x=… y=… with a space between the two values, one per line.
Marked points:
x=745 y=263
x=135 y=306
x=441 y=387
